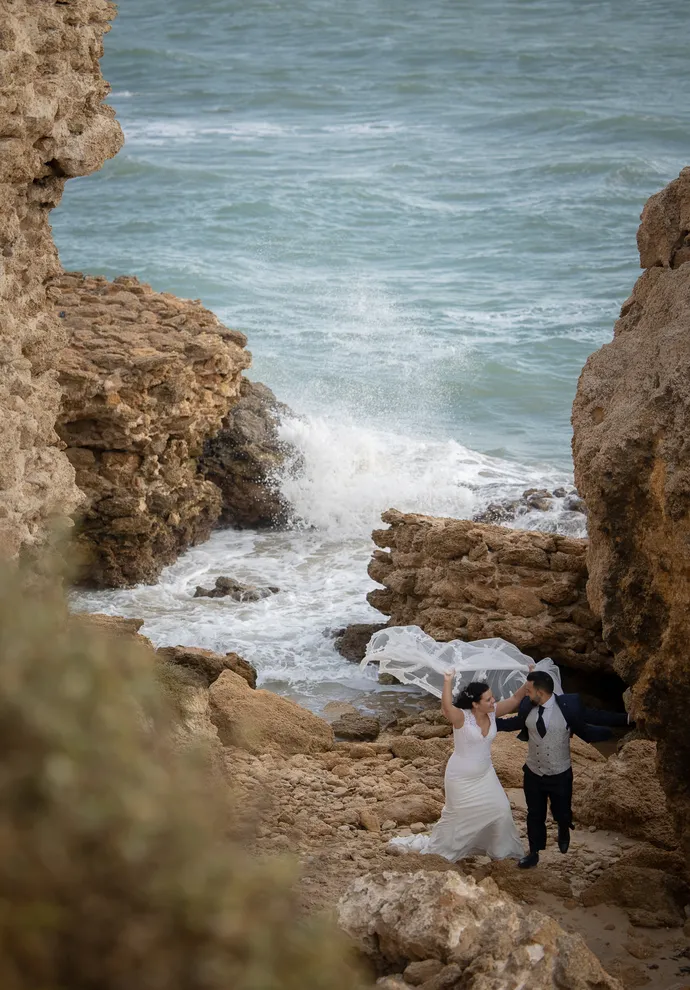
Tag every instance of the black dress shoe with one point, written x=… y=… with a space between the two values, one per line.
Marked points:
x=528 y=861
x=564 y=839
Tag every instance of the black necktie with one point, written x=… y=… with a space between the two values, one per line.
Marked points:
x=541 y=728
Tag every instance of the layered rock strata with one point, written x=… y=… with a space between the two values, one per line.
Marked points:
x=146 y=379
x=458 y=579
x=53 y=126
x=244 y=459
x=631 y=421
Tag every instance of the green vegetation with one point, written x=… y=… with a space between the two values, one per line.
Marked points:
x=117 y=869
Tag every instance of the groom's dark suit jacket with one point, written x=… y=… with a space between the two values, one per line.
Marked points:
x=589 y=724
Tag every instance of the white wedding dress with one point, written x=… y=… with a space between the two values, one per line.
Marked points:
x=476 y=818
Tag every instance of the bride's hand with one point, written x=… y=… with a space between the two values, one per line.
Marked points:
x=449 y=676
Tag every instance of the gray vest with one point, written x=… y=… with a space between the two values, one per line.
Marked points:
x=552 y=753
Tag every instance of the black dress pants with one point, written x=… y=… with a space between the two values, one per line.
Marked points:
x=556 y=788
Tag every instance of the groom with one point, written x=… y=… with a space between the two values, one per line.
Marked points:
x=546 y=722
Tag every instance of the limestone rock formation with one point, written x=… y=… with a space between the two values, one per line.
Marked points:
x=483 y=938
x=205 y=666
x=53 y=125
x=631 y=447
x=624 y=794
x=146 y=379
x=465 y=580
x=261 y=722
x=244 y=457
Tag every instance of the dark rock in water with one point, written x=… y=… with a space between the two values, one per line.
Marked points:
x=228 y=588
x=244 y=458
x=355 y=727
x=388 y=680
x=352 y=642
x=539 y=499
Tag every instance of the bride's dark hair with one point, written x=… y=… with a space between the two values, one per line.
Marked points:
x=471 y=694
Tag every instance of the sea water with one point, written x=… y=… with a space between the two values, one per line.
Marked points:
x=423 y=216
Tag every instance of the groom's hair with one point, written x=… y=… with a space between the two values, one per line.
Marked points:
x=471 y=694
x=541 y=680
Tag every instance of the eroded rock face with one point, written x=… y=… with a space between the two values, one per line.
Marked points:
x=483 y=938
x=54 y=125
x=243 y=459
x=465 y=580
x=261 y=722
x=146 y=379
x=631 y=447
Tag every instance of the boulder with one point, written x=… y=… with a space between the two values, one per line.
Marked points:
x=261 y=722
x=352 y=641
x=356 y=727
x=459 y=579
x=631 y=424
x=205 y=666
x=624 y=795
x=489 y=941
x=226 y=587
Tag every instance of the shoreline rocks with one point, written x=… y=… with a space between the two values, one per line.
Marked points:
x=244 y=457
x=229 y=588
x=146 y=378
x=458 y=579
x=531 y=500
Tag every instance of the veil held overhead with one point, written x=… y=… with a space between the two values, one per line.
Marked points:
x=412 y=657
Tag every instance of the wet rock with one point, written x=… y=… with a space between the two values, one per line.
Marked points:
x=533 y=499
x=352 y=641
x=226 y=587
x=245 y=457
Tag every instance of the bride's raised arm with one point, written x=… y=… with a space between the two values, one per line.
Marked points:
x=511 y=704
x=455 y=716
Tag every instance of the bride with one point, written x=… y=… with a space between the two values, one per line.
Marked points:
x=476 y=818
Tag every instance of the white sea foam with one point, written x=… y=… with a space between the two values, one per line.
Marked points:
x=348 y=475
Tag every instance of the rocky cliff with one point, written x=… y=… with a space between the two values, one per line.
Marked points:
x=146 y=379
x=631 y=447
x=53 y=125
x=466 y=580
